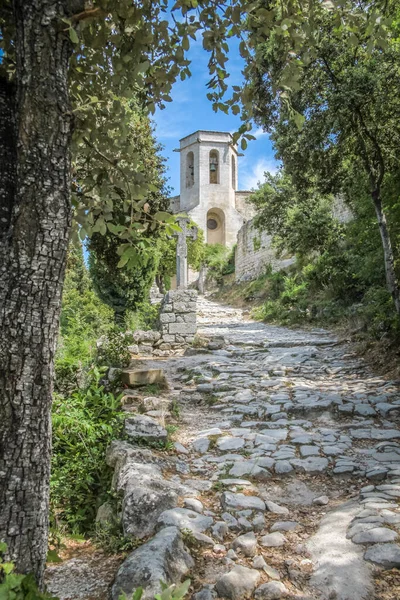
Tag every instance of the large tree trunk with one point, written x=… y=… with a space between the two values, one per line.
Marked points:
x=390 y=272
x=35 y=222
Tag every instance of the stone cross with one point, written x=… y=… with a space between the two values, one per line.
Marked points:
x=181 y=251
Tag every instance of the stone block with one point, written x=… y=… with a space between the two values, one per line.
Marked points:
x=167 y=318
x=182 y=307
x=180 y=319
x=146 y=336
x=182 y=328
x=189 y=339
x=165 y=346
x=168 y=339
x=146 y=349
x=189 y=318
x=137 y=377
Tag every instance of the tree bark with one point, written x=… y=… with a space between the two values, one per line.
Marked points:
x=390 y=272
x=35 y=204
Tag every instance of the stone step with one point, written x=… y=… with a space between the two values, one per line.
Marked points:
x=140 y=377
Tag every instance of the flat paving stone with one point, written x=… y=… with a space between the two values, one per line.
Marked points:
x=386 y=556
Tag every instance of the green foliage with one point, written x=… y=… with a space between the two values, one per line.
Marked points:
x=219 y=260
x=84 y=424
x=166 y=251
x=112 y=349
x=14 y=586
x=145 y=317
x=110 y=538
x=300 y=221
x=169 y=592
x=348 y=96
x=123 y=273
x=84 y=318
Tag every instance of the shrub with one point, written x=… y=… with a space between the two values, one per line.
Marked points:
x=112 y=349
x=84 y=425
x=144 y=318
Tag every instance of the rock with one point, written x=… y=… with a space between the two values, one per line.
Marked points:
x=201 y=445
x=311 y=464
x=146 y=336
x=249 y=467
x=240 y=502
x=273 y=540
x=146 y=493
x=321 y=501
x=238 y=583
x=273 y=590
x=246 y=543
x=220 y=530
x=163 y=558
x=193 y=504
x=184 y=519
x=275 y=508
x=143 y=427
x=259 y=562
x=203 y=594
x=106 y=515
x=180 y=448
x=139 y=377
x=284 y=526
x=283 y=467
x=230 y=443
x=375 y=536
x=245 y=524
x=259 y=522
x=386 y=556
x=204 y=540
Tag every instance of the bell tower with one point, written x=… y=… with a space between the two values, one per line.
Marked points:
x=208 y=184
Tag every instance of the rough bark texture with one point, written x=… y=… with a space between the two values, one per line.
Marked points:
x=8 y=151
x=391 y=279
x=33 y=246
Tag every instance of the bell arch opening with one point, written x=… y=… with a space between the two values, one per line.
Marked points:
x=216 y=226
x=189 y=169
x=214 y=166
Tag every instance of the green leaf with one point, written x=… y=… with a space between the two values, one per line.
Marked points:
x=162 y=216
x=299 y=119
x=73 y=36
x=53 y=557
x=138 y=594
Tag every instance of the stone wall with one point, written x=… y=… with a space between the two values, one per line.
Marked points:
x=178 y=319
x=254 y=254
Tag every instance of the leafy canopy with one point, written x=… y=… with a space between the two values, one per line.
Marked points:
x=125 y=49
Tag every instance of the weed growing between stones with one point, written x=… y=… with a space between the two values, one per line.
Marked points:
x=171 y=592
x=175 y=409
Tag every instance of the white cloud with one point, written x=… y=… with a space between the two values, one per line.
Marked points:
x=258 y=133
x=250 y=177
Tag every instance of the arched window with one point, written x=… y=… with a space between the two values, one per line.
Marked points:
x=233 y=173
x=216 y=226
x=214 y=166
x=189 y=169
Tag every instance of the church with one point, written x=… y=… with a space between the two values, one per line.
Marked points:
x=209 y=186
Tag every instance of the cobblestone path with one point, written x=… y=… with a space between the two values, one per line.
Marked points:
x=298 y=458
x=284 y=477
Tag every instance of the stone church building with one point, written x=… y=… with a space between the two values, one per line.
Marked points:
x=209 y=195
x=209 y=186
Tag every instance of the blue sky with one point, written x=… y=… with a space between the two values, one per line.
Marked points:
x=190 y=110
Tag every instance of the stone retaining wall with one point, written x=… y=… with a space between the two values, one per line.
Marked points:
x=178 y=318
x=254 y=254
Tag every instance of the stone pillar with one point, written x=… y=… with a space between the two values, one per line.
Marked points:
x=178 y=318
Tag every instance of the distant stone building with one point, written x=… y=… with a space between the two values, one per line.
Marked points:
x=208 y=186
